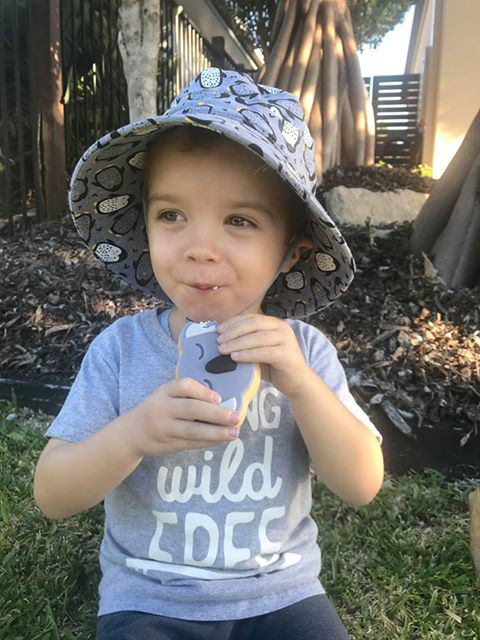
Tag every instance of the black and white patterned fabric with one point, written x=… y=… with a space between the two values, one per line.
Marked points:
x=105 y=194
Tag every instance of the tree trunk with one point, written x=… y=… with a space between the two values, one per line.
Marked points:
x=329 y=90
x=357 y=89
x=456 y=252
x=280 y=46
x=314 y=56
x=307 y=94
x=448 y=225
x=435 y=213
x=50 y=166
x=138 y=41
x=307 y=37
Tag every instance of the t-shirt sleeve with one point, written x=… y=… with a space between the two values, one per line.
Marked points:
x=323 y=359
x=93 y=399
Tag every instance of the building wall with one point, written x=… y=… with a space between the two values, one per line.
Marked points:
x=423 y=39
x=451 y=91
x=458 y=94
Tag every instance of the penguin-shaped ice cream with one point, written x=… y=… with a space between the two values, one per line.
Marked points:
x=199 y=358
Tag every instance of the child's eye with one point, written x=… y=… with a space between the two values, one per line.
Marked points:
x=240 y=221
x=167 y=215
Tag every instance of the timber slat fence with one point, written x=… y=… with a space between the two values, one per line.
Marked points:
x=395 y=102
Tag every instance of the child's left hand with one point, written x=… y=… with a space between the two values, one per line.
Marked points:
x=265 y=340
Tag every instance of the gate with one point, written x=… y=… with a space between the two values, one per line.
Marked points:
x=395 y=101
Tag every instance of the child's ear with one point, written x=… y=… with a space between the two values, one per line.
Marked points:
x=302 y=249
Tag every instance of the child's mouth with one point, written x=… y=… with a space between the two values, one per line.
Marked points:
x=206 y=287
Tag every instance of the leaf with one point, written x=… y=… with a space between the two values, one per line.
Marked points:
x=396 y=418
x=16 y=436
x=430 y=272
x=376 y=399
x=59 y=327
x=12 y=321
x=465 y=438
x=453 y=616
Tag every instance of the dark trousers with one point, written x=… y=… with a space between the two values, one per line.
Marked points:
x=311 y=619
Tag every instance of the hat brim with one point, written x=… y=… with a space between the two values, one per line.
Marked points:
x=106 y=202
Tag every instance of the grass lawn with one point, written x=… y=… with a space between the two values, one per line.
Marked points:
x=396 y=569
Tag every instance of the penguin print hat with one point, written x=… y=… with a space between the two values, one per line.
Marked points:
x=106 y=190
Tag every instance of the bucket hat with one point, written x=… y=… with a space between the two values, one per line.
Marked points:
x=106 y=189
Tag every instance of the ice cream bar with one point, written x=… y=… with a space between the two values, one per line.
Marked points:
x=199 y=358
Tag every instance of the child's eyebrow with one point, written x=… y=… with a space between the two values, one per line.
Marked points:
x=257 y=206
x=240 y=204
x=163 y=196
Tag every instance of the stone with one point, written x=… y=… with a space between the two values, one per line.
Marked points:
x=353 y=206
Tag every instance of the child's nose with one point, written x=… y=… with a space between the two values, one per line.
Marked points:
x=203 y=245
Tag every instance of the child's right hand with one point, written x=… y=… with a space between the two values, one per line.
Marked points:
x=175 y=417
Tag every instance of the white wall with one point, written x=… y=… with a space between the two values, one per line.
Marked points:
x=458 y=93
x=447 y=54
x=424 y=38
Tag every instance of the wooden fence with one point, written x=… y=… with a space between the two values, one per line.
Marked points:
x=395 y=100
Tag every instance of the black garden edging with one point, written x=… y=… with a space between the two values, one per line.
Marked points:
x=437 y=448
x=47 y=396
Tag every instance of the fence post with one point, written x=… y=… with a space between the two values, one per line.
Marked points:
x=48 y=109
x=218 y=46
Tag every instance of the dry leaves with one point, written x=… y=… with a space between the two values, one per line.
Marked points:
x=408 y=344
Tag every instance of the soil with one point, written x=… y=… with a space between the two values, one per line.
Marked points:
x=375 y=178
x=409 y=344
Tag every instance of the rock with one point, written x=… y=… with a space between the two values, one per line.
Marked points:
x=353 y=206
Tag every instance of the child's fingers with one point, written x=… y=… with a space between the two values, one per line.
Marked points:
x=188 y=409
x=251 y=341
x=190 y=388
x=265 y=355
x=249 y=323
x=201 y=432
x=191 y=400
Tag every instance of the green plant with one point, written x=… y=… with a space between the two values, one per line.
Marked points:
x=398 y=568
x=423 y=170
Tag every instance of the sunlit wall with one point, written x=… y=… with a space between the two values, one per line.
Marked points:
x=445 y=49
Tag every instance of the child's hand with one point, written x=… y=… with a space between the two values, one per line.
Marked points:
x=174 y=418
x=267 y=340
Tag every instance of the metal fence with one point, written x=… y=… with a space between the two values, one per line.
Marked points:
x=18 y=143
x=186 y=53
x=94 y=93
x=94 y=90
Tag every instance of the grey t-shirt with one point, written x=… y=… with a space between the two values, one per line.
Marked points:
x=206 y=534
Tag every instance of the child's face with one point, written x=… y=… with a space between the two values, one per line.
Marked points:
x=207 y=225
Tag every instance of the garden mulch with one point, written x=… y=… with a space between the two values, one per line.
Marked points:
x=409 y=344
